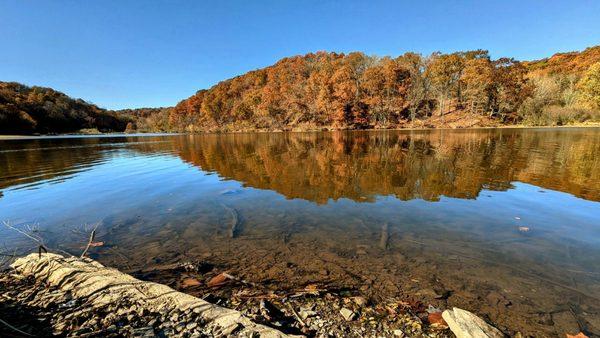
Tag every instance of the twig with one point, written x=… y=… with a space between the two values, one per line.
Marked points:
x=90 y=241
x=295 y=314
x=15 y=329
x=228 y=276
x=40 y=249
x=36 y=239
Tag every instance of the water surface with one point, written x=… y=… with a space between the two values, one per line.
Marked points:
x=503 y=222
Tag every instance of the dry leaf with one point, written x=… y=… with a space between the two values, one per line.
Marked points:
x=579 y=335
x=311 y=287
x=435 y=319
x=188 y=282
x=218 y=280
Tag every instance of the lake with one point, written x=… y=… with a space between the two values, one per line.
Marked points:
x=503 y=222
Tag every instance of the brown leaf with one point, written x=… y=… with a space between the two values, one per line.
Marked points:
x=96 y=244
x=218 y=280
x=188 y=282
x=579 y=335
x=435 y=319
x=311 y=287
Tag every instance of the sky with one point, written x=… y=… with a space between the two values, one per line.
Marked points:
x=131 y=54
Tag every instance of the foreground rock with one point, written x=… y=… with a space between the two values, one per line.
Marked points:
x=464 y=324
x=97 y=301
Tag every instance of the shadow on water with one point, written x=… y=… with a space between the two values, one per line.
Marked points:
x=503 y=222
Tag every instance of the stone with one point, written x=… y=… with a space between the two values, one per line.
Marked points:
x=465 y=324
x=307 y=313
x=191 y=326
x=360 y=301
x=348 y=314
x=398 y=333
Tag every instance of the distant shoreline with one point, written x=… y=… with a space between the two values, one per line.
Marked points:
x=117 y=134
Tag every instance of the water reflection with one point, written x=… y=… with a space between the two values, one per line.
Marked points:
x=348 y=208
x=426 y=165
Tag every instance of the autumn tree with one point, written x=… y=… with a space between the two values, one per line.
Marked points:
x=589 y=87
x=478 y=84
x=512 y=84
x=444 y=72
x=418 y=90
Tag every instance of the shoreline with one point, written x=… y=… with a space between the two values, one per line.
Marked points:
x=122 y=134
x=80 y=296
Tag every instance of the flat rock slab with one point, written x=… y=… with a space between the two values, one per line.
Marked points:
x=97 y=286
x=464 y=324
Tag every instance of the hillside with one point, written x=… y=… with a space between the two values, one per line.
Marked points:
x=355 y=91
x=324 y=90
x=566 y=63
x=30 y=110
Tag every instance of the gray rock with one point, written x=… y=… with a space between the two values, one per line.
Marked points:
x=464 y=324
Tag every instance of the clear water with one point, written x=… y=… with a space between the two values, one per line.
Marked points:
x=486 y=214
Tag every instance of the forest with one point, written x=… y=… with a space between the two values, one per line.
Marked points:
x=356 y=91
x=38 y=110
x=326 y=90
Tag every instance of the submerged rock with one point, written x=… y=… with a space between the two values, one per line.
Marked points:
x=464 y=324
x=348 y=314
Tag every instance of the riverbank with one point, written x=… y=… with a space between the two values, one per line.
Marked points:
x=51 y=295
x=301 y=130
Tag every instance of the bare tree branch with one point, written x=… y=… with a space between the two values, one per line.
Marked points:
x=90 y=241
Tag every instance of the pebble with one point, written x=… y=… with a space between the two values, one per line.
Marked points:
x=348 y=314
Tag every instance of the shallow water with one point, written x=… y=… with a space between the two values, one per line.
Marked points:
x=506 y=222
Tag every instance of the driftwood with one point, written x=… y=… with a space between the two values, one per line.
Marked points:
x=385 y=235
x=90 y=283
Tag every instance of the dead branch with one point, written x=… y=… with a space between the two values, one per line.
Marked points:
x=90 y=241
x=15 y=329
x=296 y=314
x=31 y=236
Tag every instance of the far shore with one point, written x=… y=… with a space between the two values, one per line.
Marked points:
x=141 y=133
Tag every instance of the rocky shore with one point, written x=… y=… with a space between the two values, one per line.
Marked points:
x=50 y=295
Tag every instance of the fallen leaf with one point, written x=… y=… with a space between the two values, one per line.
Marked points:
x=96 y=244
x=218 y=280
x=188 y=282
x=311 y=287
x=435 y=319
x=579 y=335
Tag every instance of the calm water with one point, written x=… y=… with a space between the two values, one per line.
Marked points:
x=388 y=213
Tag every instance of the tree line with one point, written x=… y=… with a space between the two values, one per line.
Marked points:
x=344 y=91
x=39 y=110
x=358 y=91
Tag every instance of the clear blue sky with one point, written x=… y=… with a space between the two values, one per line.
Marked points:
x=126 y=54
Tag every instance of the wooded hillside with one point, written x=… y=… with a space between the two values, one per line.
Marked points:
x=29 y=110
x=331 y=90
x=344 y=91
